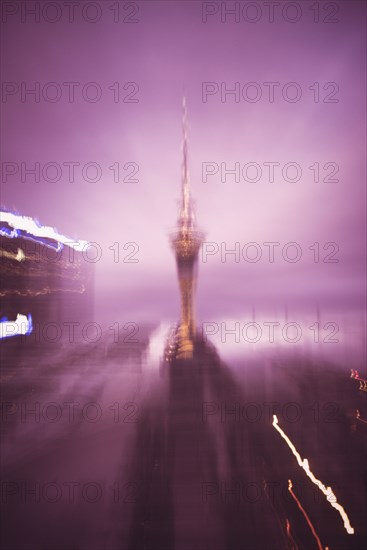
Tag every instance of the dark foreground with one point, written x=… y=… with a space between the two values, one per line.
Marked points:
x=105 y=448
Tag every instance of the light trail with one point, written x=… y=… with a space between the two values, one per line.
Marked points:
x=293 y=545
x=330 y=497
x=319 y=545
x=358 y=417
x=289 y=534
x=32 y=228
x=21 y=326
x=19 y=256
x=42 y=292
x=362 y=382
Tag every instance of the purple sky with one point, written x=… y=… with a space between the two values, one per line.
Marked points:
x=168 y=50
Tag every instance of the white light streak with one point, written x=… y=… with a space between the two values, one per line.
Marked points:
x=31 y=226
x=21 y=326
x=327 y=491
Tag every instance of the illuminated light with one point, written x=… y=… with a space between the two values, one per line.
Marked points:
x=305 y=515
x=327 y=491
x=362 y=382
x=21 y=326
x=289 y=534
x=19 y=256
x=35 y=231
x=288 y=526
x=18 y=233
x=42 y=292
x=358 y=417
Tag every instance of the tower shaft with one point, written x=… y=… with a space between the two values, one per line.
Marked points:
x=186 y=243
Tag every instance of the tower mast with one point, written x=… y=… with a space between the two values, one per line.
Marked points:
x=186 y=243
x=186 y=205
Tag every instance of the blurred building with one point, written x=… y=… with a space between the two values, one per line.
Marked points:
x=51 y=281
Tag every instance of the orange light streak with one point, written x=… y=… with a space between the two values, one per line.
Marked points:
x=305 y=515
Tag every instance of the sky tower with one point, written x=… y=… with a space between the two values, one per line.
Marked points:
x=186 y=242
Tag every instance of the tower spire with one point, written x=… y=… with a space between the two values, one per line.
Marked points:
x=186 y=207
